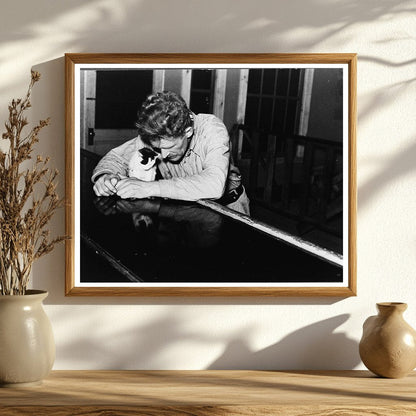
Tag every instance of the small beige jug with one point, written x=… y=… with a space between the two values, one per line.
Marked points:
x=388 y=345
x=27 y=346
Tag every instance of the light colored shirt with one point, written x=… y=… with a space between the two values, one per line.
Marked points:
x=203 y=173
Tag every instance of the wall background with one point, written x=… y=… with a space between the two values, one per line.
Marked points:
x=201 y=333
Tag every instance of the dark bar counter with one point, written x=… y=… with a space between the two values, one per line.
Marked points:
x=167 y=241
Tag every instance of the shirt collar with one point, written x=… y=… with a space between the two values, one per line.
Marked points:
x=192 y=144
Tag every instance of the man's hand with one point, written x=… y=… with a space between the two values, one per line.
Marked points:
x=135 y=188
x=106 y=184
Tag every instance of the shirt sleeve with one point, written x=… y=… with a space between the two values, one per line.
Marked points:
x=116 y=161
x=210 y=182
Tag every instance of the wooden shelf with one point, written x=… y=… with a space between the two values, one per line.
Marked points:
x=203 y=393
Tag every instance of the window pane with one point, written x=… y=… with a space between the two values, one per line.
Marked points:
x=119 y=95
x=254 y=81
x=294 y=82
x=201 y=79
x=266 y=114
x=251 y=111
x=279 y=115
x=291 y=116
x=269 y=76
x=200 y=102
x=282 y=81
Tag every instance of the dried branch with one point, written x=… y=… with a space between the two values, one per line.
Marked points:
x=23 y=218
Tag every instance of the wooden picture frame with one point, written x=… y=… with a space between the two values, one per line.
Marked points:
x=302 y=185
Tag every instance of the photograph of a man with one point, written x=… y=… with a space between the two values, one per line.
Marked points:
x=183 y=166
x=191 y=156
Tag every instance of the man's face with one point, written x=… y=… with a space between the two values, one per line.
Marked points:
x=173 y=149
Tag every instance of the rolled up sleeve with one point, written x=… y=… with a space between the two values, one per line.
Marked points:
x=116 y=161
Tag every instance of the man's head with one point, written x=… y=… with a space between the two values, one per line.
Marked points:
x=166 y=124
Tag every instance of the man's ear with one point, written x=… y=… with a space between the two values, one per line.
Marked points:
x=189 y=131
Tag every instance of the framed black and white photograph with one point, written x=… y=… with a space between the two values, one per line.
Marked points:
x=211 y=174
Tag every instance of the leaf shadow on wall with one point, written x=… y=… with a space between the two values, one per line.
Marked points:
x=402 y=163
x=119 y=347
x=396 y=167
x=316 y=346
x=145 y=22
x=152 y=345
x=105 y=26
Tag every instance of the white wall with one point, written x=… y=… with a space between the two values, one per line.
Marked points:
x=199 y=333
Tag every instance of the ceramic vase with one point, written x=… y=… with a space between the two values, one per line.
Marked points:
x=388 y=345
x=27 y=347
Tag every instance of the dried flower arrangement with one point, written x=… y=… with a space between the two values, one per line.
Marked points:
x=28 y=199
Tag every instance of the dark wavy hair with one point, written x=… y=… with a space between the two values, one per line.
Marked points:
x=164 y=114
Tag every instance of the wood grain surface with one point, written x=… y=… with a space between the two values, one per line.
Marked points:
x=202 y=393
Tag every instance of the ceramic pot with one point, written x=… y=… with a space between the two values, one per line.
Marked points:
x=388 y=345
x=27 y=347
